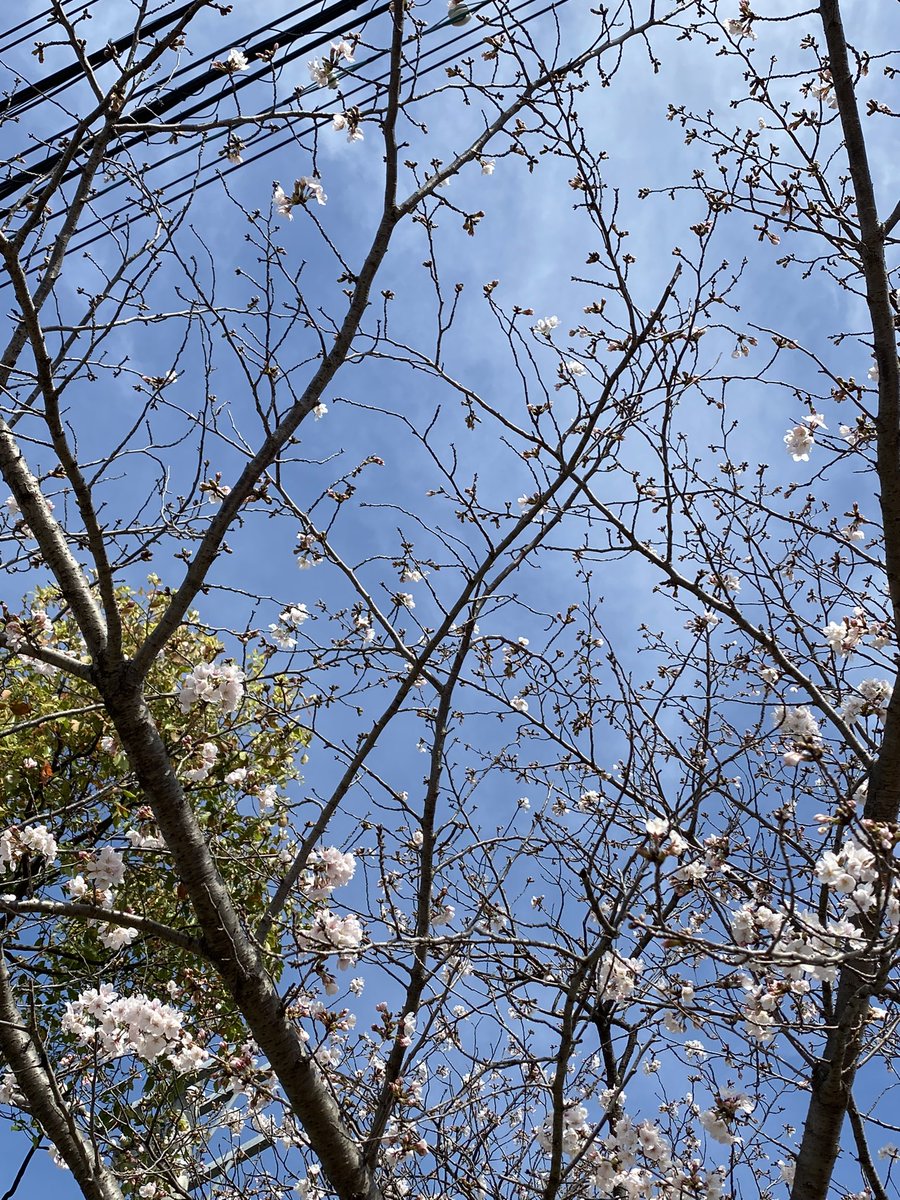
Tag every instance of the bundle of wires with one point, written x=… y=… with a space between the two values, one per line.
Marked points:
x=196 y=88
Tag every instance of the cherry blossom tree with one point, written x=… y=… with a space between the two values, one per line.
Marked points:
x=449 y=748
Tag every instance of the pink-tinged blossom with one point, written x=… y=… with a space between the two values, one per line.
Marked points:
x=545 y=325
x=845 y=635
x=799 y=442
x=407 y=1029
x=739 y=27
x=333 y=934
x=729 y=1107
x=106 y=869
x=209 y=752
x=15 y=634
x=234 y=61
x=282 y=204
x=220 y=685
x=329 y=869
x=122 y=1025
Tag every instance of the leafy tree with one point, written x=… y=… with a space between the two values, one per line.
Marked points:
x=589 y=885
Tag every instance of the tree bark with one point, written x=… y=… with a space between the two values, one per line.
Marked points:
x=833 y=1076
x=18 y=1048
x=229 y=946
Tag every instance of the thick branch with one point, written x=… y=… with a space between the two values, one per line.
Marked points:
x=18 y=1048
x=833 y=1077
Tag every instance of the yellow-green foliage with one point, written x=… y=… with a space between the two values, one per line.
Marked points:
x=60 y=769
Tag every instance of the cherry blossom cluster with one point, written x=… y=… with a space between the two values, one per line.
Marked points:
x=801 y=438
x=800 y=727
x=332 y=934
x=617 y=976
x=9 y=1091
x=665 y=840
x=235 y=60
x=575 y=1130
x=752 y=921
x=35 y=630
x=545 y=325
x=328 y=869
x=325 y=72
x=220 y=685
x=824 y=90
x=15 y=842
x=283 y=633
x=305 y=189
x=209 y=752
x=729 y=1108
x=635 y=1160
x=798 y=948
x=123 y=1025
x=762 y=1005
x=853 y=873
x=714 y=858
x=105 y=869
x=845 y=635
x=349 y=121
x=871 y=699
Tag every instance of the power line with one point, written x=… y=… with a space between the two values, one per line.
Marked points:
x=191 y=177
x=42 y=18
x=22 y=99
x=181 y=71
x=162 y=104
x=450 y=51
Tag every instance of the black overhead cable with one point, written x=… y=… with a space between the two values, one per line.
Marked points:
x=181 y=71
x=163 y=104
x=194 y=184
x=43 y=18
x=66 y=75
x=450 y=49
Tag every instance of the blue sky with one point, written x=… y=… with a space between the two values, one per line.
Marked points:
x=531 y=241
